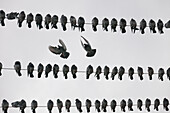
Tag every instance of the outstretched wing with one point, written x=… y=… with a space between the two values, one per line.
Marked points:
x=54 y=50
x=86 y=41
x=63 y=45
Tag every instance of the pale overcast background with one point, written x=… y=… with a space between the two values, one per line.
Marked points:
x=113 y=49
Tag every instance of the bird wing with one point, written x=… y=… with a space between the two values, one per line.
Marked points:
x=86 y=41
x=63 y=45
x=54 y=50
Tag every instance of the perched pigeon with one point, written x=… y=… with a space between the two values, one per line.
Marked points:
x=30 y=69
x=73 y=22
x=17 y=67
x=60 y=50
x=142 y=26
x=121 y=72
x=105 y=24
x=2 y=18
x=40 y=70
x=166 y=104
x=48 y=69
x=87 y=47
x=55 y=70
x=98 y=72
x=63 y=21
x=21 y=18
x=74 y=71
x=95 y=22
x=140 y=73
x=59 y=105
x=123 y=105
x=139 y=104
x=89 y=71
x=0 y=68
x=131 y=72
x=38 y=20
x=106 y=72
x=113 y=24
x=97 y=105
x=54 y=21
x=47 y=21
x=104 y=105
x=79 y=105
x=65 y=71
x=160 y=26
x=156 y=104
x=30 y=19
x=22 y=105
x=34 y=105
x=15 y=104
x=150 y=72
x=68 y=105
x=12 y=15
x=152 y=26
x=168 y=73
x=81 y=23
x=167 y=24
x=161 y=72
x=50 y=105
x=114 y=72
x=130 y=104
x=133 y=25
x=5 y=106
x=122 y=24
x=88 y=105
x=113 y=105
x=148 y=104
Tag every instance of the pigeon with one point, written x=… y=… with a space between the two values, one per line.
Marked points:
x=59 y=105
x=133 y=25
x=79 y=105
x=161 y=72
x=142 y=26
x=34 y=105
x=95 y=22
x=168 y=73
x=30 y=19
x=81 y=23
x=167 y=24
x=74 y=71
x=40 y=70
x=160 y=26
x=150 y=72
x=0 y=68
x=88 y=105
x=105 y=24
x=12 y=15
x=114 y=72
x=54 y=21
x=38 y=20
x=63 y=21
x=68 y=105
x=17 y=67
x=47 y=21
x=60 y=50
x=87 y=47
x=104 y=105
x=152 y=26
x=148 y=104
x=98 y=72
x=166 y=104
x=22 y=106
x=113 y=24
x=48 y=69
x=65 y=71
x=21 y=18
x=131 y=72
x=121 y=72
x=139 y=104
x=2 y=18
x=89 y=71
x=106 y=72
x=97 y=105
x=5 y=106
x=123 y=105
x=130 y=104
x=122 y=24
x=140 y=73
x=50 y=105
x=30 y=69
x=15 y=104
x=73 y=22
x=55 y=70
x=113 y=105
x=156 y=104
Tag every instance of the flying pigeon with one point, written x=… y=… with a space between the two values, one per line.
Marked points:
x=105 y=24
x=17 y=67
x=34 y=105
x=74 y=71
x=95 y=22
x=47 y=21
x=106 y=72
x=167 y=24
x=81 y=23
x=2 y=18
x=121 y=72
x=156 y=104
x=160 y=26
x=73 y=22
x=123 y=105
x=133 y=25
x=30 y=19
x=97 y=105
x=150 y=72
x=50 y=105
x=87 y=47
x=5 y=106
x=63 y=21
x=38 y=20
x=148 y=104
x=48 y=69
x=0 y=68
x=54 y=21
x=113 y=105
x=161 y=72
x=166 y=104
x=59 y=105
x=152 y=26
x=139 y=104
x=113 y=24
x=122 y=24
x=114 y=72
x=65 y=71
x=55 y=70
x=30 y=69
x=140 y=73
x=15 y=104
x=21 y=18
x=22 y=106
x=98 y=72
x=68 y=105
x=130 y=104
x=104 y=105
x=142 y=26
x=89 y=71
x=88 y=105
x=79 y=105
x=40 y=70
x=131 y=72
x=12 y=15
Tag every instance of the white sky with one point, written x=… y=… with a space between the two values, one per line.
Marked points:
x=113 y=49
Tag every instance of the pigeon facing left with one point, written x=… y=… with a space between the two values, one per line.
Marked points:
x=22 y=105
x=156 y=104
x=106 y=72
x=65 y=71
x=21 y=18
x=130 y=104
x=2 y=17
x=79 y=105
x=89 y=71
x=88 y=105
x=63 y=21
x=34 y=105
x=5 y=106
x=161 y=72
x=74 y=71
x=133 y=25
x=104 y=105
x=59 y=105
x=47 y=21
x=17 y=67
x=105 y=24
x=148 y=104
x=166 y=104
x=38 y=20
x=81 y=23
x=152 y=26
x=95 y=22
x=123 y=105
x=30 y=69
x=122 y=24
x=48 y=69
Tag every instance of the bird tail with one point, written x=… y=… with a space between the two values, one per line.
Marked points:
x=112 y=77
x=88 y=110
x=60 y=110
x=50 y=111
x=156 y=108
x=29 y=25
x=150 y=77
x=22 y=111
x=94 y=28
x=39 y=75
x=5 y=111
x=87 y=76
x=114 y=30
x=64 y=28
x=98 y=77
x=55 y=76
x=47 y=26
x=123 y=30
x=131 y=77
x=54 y=26
x=161 y=78
x=124 y=110
x=148 y=109
x=19 y=24
x=2 y=23
x=65 y=76
x=104 y=110
x=0 y=73
x=120 y=77
x=33 y=111
x=168 y=77
x=166 y=108
x=46 y=75
x=130 y=109
x=107 y=77
x=68 y=110
x=98 y=110
x=106 y=29
x=80 y=110
x=113 y=110
x=140 y=108
x=154 y=31
x=161 y=32
x=74 y=76
x=82 y=29
x=141 y=77
x=142 y=31
x=40 y=26
x=31 y=75
x=19 y=73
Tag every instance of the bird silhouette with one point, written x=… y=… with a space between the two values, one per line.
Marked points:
x=30 y=69
x=59 y=105
x=88 y=105
x=114 y=72
x=104 y=105
x=21 y=18
x=34 y=105
x=50 y=105
x=12 y=15
x=38 y=20
x=2 y=17
x=55 y=70
x=40 y=70
x=47 y=21
x=5 y=106
x=121 y=72
x=161 y=72
x=133 y=25
x=130 y=104
x=73 y=22
x=131 y=72
x=168 y=73
x=95 y=22
x=65 y=71
x=123 y=105
x=30 y=18
x=89 y=71
x=140 y=73
x=17 y=67
x=150 y=72
x=148 y=104
x=105 y=24
x=122 y=24
x=166 y=104
x=0 y=68
x=54 y=21
x=156 y=104
x=68 y=105
x=63 y=21
x=106 y=72
x=22 y=105
x=98 y=72
x=81 y=23
x=97 y=105
x=139 y=104
x=74 y=71
x=114 y=24
x=160 y=26
x=48 y=69
x=113 y=105
x=142 y=26
x=79 y=105
x=152 y=26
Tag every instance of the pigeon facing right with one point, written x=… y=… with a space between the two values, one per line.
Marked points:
x=130 y=104
x=140 y=73
x=21 y=18
x=48 y=69
x=142 y=26
x=55 y=70
x=17 y=67
x=161 y=72
x=88 y=105
x=105 y=24
x=166 y=104
x=123 y=105
x=97 y=105
x=122 y=24
x=79 y=105
x=98 y=72
x=2 y=18
x=74 y=71
x=34 y=105
x=22 y=105
x=113 y=105
x=106 y=72
x=104 y=105
x=139 y=104
x=133 y=25
x=68 y=105
x=59 y=105
x=131 y=72
x=47 y=21
x=89 y=71
x=5 y=106
x=113 y=24
x=30 y=69
x=150 y=72
x=81 y=23
x=63 y=21
x=54 y=21
x=40 y=70
x=95 y=22
x=121 y=72
x=50 y=105
x=156 y=104
x=30 y=19
x=160 y=26
x=114 y=72
x=148 y=104
x=65 y=71
x=73 y=22
x=38 y=20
